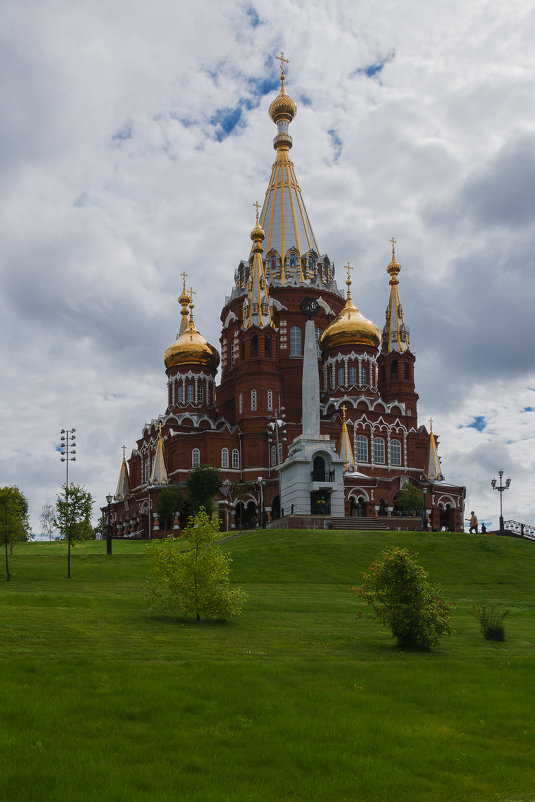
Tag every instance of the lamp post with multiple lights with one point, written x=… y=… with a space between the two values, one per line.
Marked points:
x=109 y=499
x=67 y=451
x=500 y=488
x=277 y=427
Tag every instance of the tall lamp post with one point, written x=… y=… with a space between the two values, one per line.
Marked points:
x=424 y=511
x=68 y=454
x=261 y=482
x=109 y=499
x=501 y=487
x=277 y=426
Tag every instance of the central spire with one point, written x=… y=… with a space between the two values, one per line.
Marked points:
x=284 y=217
x=395 y=332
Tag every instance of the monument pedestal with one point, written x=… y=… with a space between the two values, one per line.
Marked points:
x=301 y=480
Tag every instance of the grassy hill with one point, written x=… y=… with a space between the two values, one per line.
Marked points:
x=293 y=700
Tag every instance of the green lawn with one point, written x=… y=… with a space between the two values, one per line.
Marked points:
x=293 y=700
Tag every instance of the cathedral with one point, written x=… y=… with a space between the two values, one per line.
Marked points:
x=314 y=421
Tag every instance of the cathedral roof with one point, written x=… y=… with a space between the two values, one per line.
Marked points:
x=159 y=470
x=350 y=327
x=256 y=308
x=190 y=347
x=123 y=484
x=433 y=468
x=284 y=216
x=395 y=332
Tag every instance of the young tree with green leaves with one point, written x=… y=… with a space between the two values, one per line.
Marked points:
x=74 y=506
x=202 y=484
x=14 y=521
x=171 y=502
x=410 y=499
x=193 y=582
x=398 y=590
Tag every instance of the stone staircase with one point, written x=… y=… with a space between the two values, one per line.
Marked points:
x=357 y=523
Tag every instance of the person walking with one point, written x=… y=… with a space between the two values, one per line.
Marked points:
x=473 y=522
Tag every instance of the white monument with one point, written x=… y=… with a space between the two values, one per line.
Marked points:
x=312 y=477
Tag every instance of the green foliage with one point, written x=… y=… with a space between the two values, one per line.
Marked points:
x=170 y=503
x=490 y=621
x=202 y=484
x=410 y=499
x=193 y=582
x=14 y=522
x=398 y=590
x=73 y=516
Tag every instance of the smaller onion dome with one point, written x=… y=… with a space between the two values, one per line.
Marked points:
x=191 y=348
x=283 y=107
x=350 y=327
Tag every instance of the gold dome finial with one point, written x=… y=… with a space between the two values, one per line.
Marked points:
x=394 y=267
x=283 y=61
x=191 y=305
x=282 y=111
x=124 y=451
x=183 y=300
x=348 y=267
x=257 y=234
x=344 y=412
x=430 y=425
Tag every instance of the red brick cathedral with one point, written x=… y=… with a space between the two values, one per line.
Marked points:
x=366 y=442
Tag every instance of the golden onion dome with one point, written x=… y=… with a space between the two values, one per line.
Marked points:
x=283 y=107
x=191 y=348
x=350 y=328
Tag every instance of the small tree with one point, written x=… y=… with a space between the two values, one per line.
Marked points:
x=194 y=582
x=170 y=503
x=410 y=499
x=47 y=519
x=14 y=522
x=73 y=516
x=398 y=590
x=202 y=485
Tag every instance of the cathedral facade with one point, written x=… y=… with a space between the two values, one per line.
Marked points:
x=370 y=442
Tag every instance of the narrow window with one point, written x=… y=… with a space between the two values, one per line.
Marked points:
x=254 y=345
x=267 y=345
x=240 y=403
x=270 y=400
x=364 y=374
x=280 y=454
x=195 y=458
x=235 y=458
x=362 y=448
x=394 y=369
x=190 y=392
x=273 y=456
x=253 y=400
x=407 y=369
x=340 y=377
x=200 y=393
x=353 y=374
x=180 y=394
x=395 y=452
x=224 y=457
x=295 y=341
x=379 y=450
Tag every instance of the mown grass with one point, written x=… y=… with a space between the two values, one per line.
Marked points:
x=293 y=700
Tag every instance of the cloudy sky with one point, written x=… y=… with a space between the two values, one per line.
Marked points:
x=135 y=138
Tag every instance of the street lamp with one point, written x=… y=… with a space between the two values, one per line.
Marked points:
x=109 y=499
x=276 y=425
x=424 y=511
x=68 y=454
x=261 y=482
x=500 y=490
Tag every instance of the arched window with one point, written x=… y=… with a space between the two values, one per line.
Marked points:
x=273 y=263
x=195 y=458
x=395 y=452
x=292 y=260
x=240 y=403
x=341 y=377
x=364 y=374
x=273 y=456
x=254 y=345
x=224 y=457
x=353 y=374
x=379 y=450
x=179 y=394
x=270 y=400
x=190 y=392
x=235 y=458
x=318 y=469
x=280 y=454
x=267 y=346
x=394 y=369
x=362 y=448
x=253 y=400
x=295 y=341
x=200 y=393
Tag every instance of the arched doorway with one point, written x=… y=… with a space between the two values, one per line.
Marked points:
x=382 y=506
x=276 y=508
x=318 y=469
x=245 y=515
x=356 y=508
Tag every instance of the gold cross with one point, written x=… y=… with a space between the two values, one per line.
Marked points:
x=393 y=241
x=184 y=274
x=344 y=411
x=349 y=267
x=257 y=208
x=160 y=428
x=431 y=424
x=124 y=450
x=282 y=61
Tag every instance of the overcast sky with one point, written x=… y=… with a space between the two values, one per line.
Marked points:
x=135 y=139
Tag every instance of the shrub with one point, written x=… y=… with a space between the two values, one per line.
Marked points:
x=490 y=621
x=397 y=588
